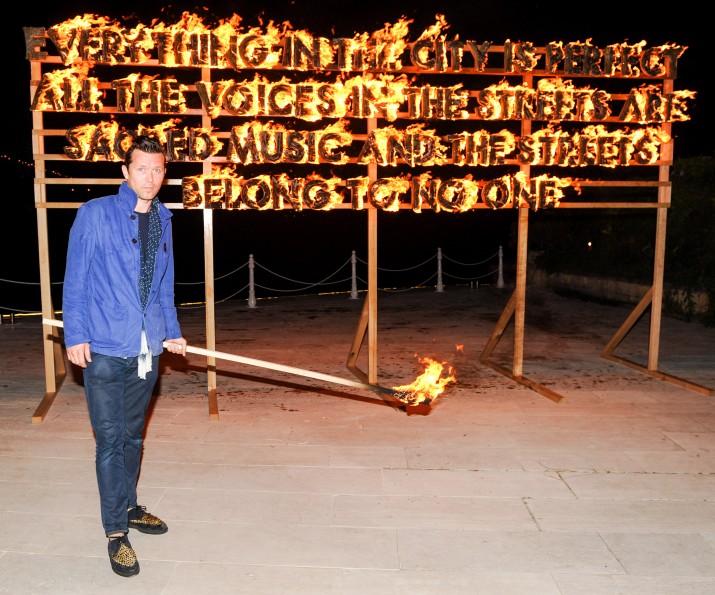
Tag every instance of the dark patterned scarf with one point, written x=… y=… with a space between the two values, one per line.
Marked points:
x=148 y=255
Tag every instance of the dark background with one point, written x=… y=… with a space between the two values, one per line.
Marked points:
x=309 y=246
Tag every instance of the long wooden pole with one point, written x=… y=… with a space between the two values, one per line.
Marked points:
x=249 y=361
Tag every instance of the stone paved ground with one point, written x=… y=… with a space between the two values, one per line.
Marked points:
x=303 y=486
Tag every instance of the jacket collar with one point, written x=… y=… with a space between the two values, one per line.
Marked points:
x=128 y=199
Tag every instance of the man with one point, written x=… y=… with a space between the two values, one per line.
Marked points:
x=118 y=308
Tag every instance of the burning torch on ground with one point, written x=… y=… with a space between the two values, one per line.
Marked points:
x=427 y=386
x=416 y=397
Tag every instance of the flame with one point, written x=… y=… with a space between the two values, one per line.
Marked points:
x=263 y=192
x=435 y=31
x=482 y=147
x=386 y=192
x=329 y=191
x=386 y=90
x=325 y=49
x=258 y=51
x=368 y=96
x=415 y=144
x=428 y=385
x=65 y=35
x=177 y=43
x=189 y=24
x=261 y=142
x=386 y=45
x=87 y=140
x=552 y=99
x=65 y=89
x=596 y=144
x=141 y=40
x=454 y=198
x=647 y=104
x=159 y=130
x=337 y=135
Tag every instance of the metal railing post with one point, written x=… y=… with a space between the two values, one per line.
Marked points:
x=353 y=286
x=251 y=282
x=440 y=285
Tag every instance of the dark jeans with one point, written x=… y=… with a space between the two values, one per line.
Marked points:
x=117 y=400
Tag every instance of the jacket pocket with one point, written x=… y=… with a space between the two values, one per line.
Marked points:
x=108 y=324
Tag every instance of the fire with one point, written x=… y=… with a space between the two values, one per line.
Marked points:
x=385 y=192
x=594 y=144
x=482 y=147
x=552 y=99
x=191 y=42
x=89 y=142
x=89 y=136
x=648 y=104
x=68 y=89
x=416 y=145
x=435 y=31
x=386 y=45
x=453 y=199
x=159 y=131
x=188 y=24
x=310 y=100
x=65 y=35
x=259 y=50
x=525 y=191
x=271 y=142
x=428 y=385
x=379 y=95
x=225 y=189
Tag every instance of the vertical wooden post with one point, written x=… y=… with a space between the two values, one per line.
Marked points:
x=210 y=295
x=54 y=362
x=521 y=263
x=664 y=197
x=372 y=273
x=520 y=292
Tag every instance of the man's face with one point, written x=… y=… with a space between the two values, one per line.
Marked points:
x=145 y=174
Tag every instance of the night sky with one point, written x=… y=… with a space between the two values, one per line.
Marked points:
x=291 y=238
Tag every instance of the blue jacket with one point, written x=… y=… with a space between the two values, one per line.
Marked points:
x=100 y=298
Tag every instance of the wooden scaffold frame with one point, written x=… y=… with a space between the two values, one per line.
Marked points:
x=55 y=370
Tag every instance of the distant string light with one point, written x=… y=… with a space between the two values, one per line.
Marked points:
x=12 y=159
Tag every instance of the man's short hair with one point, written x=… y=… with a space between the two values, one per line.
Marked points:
x=145 y=144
